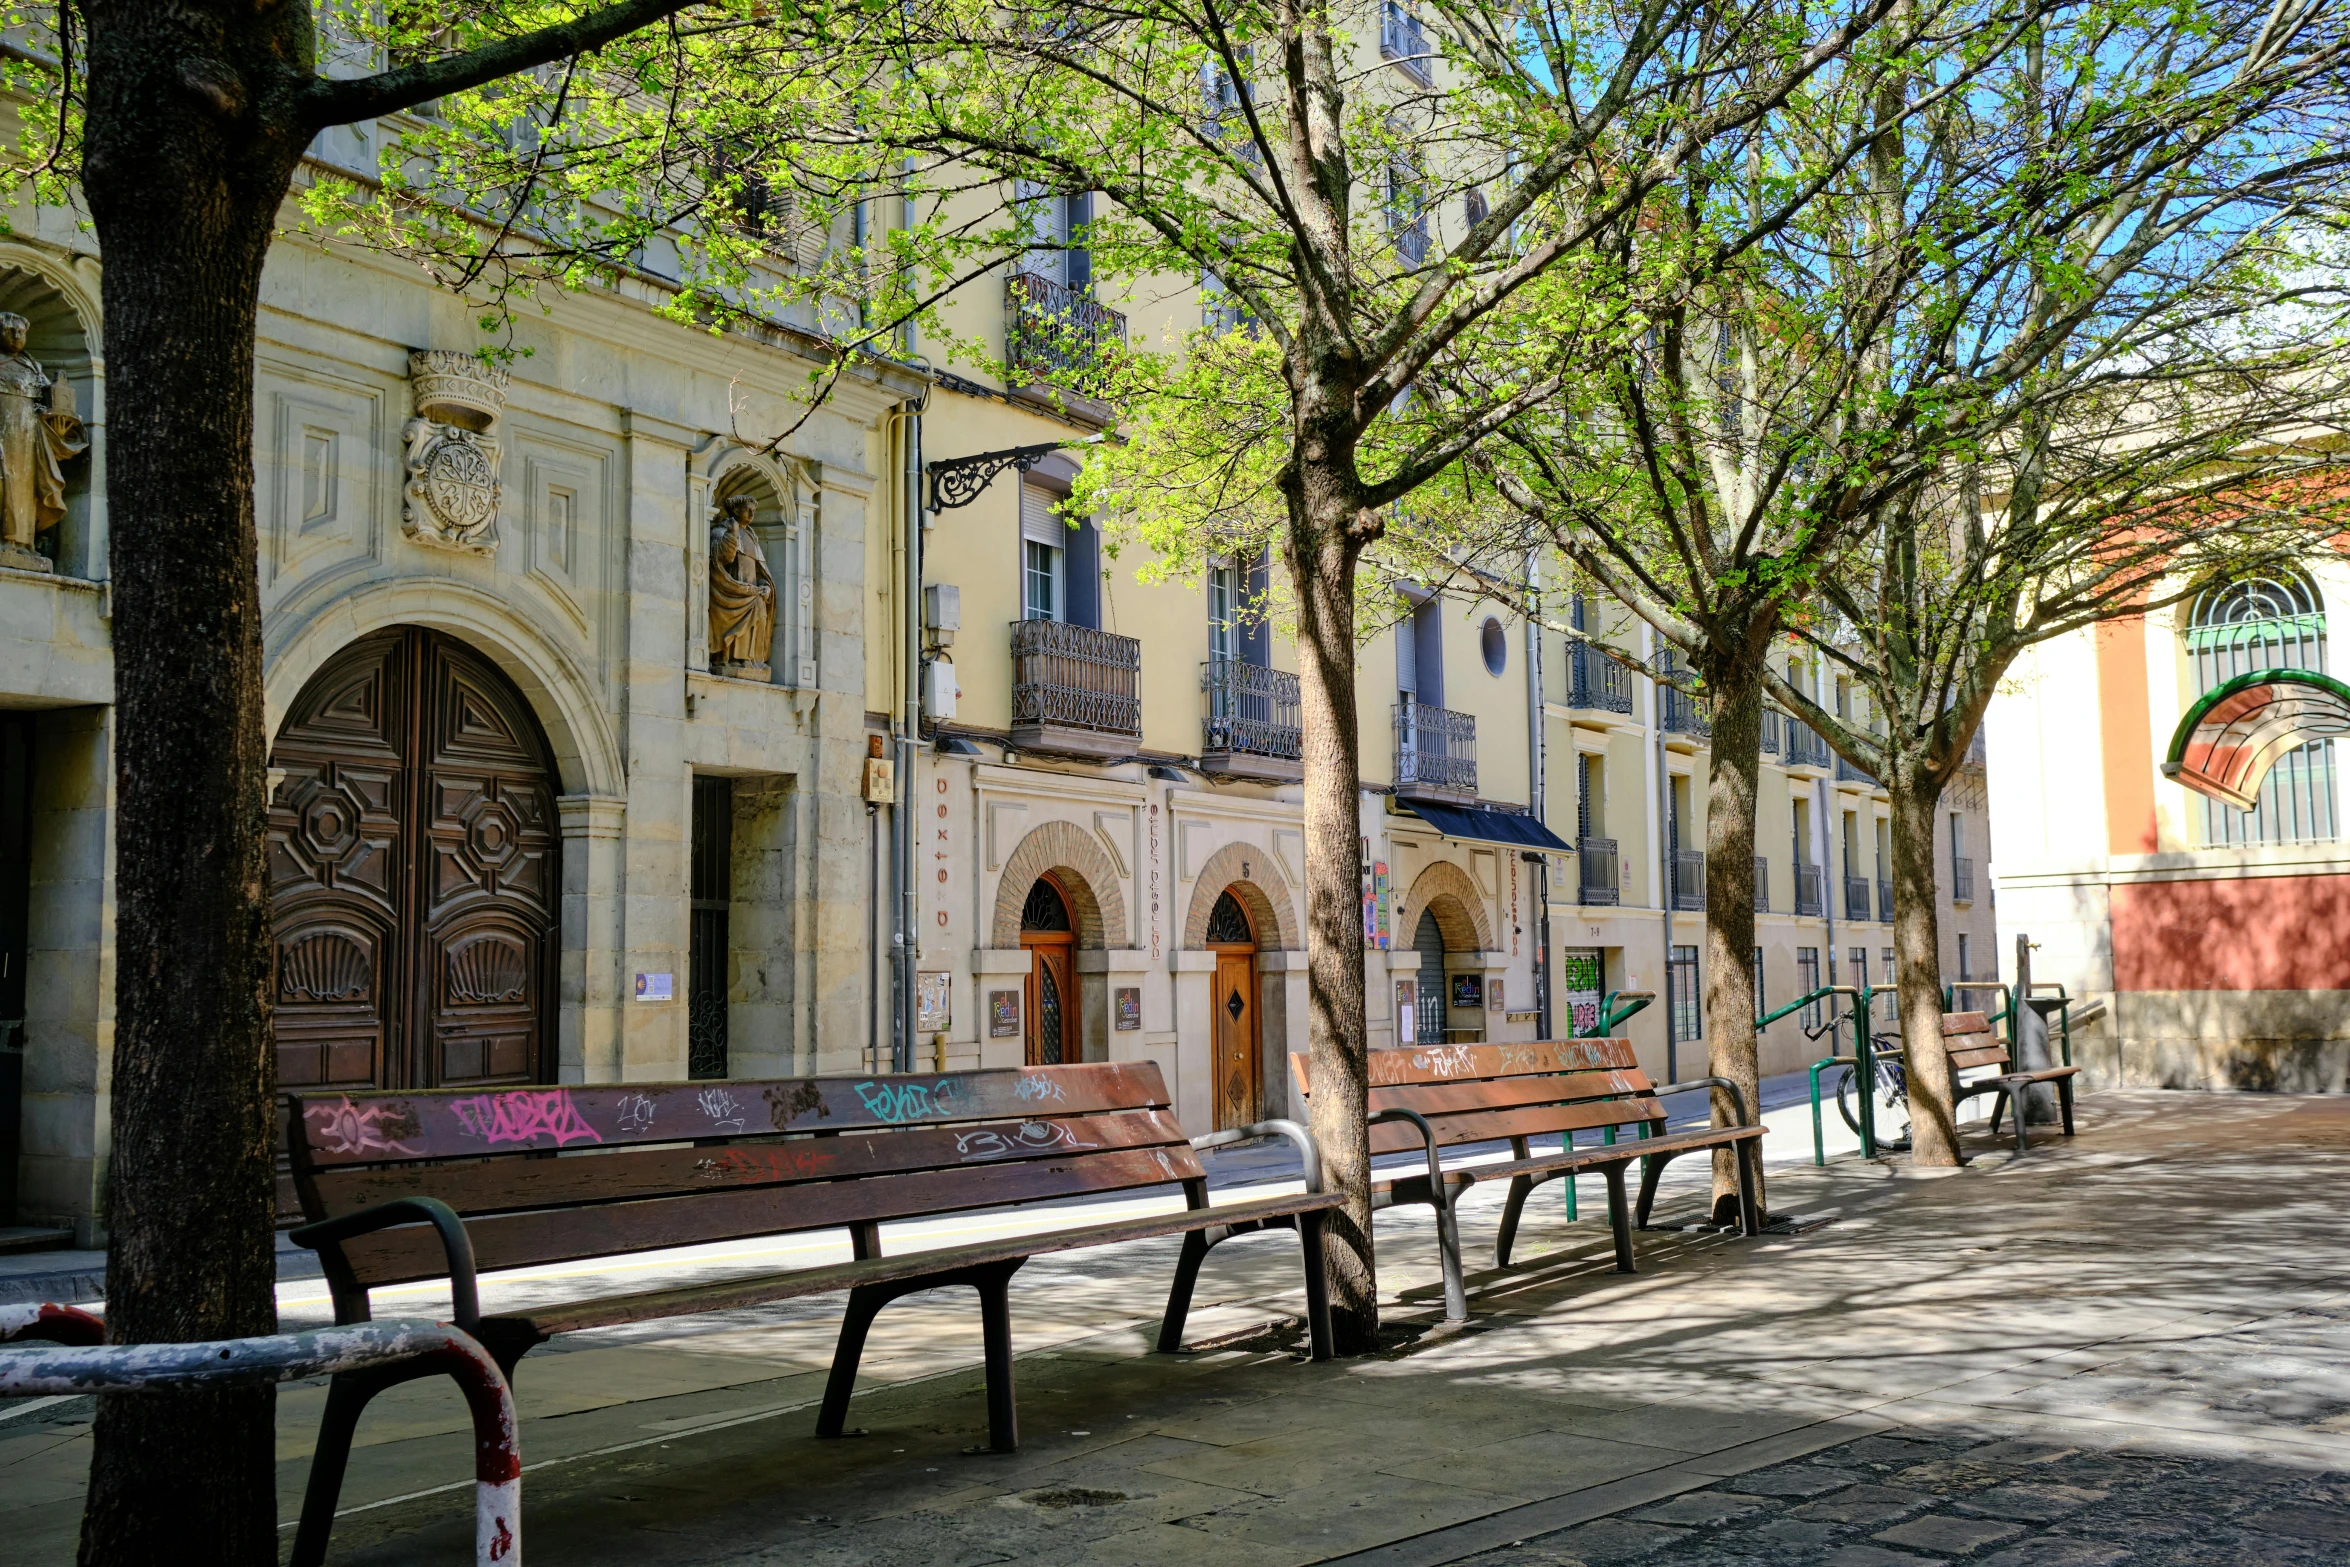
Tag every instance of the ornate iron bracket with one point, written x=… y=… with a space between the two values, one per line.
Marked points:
x=958 y=481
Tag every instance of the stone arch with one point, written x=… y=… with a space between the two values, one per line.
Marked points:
x=577 y=725
x=1444 y=890
x=1085 y=873
x=1255 y=879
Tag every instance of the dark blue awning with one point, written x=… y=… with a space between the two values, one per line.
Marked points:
x=1459 y=821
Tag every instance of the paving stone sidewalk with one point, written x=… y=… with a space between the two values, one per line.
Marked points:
x=2131 y=1347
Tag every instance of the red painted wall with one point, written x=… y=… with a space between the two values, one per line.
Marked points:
x=2251 y=933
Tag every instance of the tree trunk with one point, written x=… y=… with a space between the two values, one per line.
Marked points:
x=187 y=162
x=1917 y=962
x=1322 y=567
x=1731 y=781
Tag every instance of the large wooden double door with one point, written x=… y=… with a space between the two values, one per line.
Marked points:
x=415 y=864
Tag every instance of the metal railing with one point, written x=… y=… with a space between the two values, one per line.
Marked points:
x=1599 y=885
x=1762 y=885
x=1962 y=879
x=1884 y=900
x=1405 y=42
x=1596 y=681
x=1059 y=335
x=1810 y=899
x=1856 y=898
x=1804 y=746
x=1683 y=713
x=1770 y=731
x=1252 y=710
x=1075 y=677
x=1435 y=748
x=1847 y=773
x=1689 y=879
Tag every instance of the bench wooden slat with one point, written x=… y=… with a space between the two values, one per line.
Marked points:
x=1448 y=1063
x=572 y=1179
x=514 y=1240
x=1966 y=1058
x=1487 y=1126
x=762 y=1289
x=1508 y=1093
x=1678 y=1142
x=1957 y=1023
x=379 y=1128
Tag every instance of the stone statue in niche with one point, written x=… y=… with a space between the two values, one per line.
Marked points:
x=452 y=493
x=742 y=594
x=39 y=433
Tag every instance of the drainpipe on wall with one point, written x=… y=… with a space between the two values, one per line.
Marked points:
x=1538 y=738
x=1664 y=850
x=1829 y=890
x=905 y=940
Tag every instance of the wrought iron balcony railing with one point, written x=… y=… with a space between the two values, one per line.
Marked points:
x=1596 y=681
x=1405 y=42
x=1856 y=898
x=1060 y=336
x=1073 y=689
x=1962 y=879
x=1770 y=731
x=1762 y=885
x=1684 y=714
x=1810 y=898
x=1884 y=900
x=1435 y=751
x=1804 y=746
x=1847 y=773
x=1599 y=880
x=1689 y=879
x=1251 y=725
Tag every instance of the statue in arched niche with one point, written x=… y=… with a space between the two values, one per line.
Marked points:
x=40 y=431
x=742 y=594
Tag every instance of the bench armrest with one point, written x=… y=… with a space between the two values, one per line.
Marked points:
x=1438 y=1195
x=1306 y=1146
x=1737 y=1094
x=464 y=1296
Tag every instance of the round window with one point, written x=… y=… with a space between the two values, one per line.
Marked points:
x=1496 y=645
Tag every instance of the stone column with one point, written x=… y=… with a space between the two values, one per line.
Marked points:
x=1281 y=990
x=1195 y=1037
x=591 y=999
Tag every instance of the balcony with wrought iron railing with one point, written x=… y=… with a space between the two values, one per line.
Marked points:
x=1962 y=879
x=1250 y=728
x=1435 y=753
x=1074 y=690
x=1884 y=901
x=1810 y=896
x=1856 y=898
x=1061 y=339
x=1403 y=41
x=1596 y=682
x=1684 y=714
x=1771 y=720
x=1805 y=748
x=1689 y=879
x=1600 y=882
x=1762 y=885
x=1847 y=773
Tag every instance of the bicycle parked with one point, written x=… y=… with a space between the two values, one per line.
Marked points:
x=1891 y=1107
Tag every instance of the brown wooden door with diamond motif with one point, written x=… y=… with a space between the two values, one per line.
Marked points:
x=1239 y=1063
x=414 y=861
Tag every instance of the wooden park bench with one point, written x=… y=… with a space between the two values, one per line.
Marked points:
x=1968 y=1040
x=407 y=1186
x=1437 y=1097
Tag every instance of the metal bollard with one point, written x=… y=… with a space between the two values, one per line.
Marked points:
x=285 y=1357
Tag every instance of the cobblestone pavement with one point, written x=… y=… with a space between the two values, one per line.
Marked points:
x=1910 y=1498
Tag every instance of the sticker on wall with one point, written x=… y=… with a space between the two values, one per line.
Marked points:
x=1375 y=888
x=1003 y=1013
x=1579 y=986
x=1129 y=1007
x=656 y=987
x=1468 y=993
x=1407 y=1028
x=933 y=995
x=1493 y=997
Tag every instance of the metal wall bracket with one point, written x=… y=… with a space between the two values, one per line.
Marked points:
x=958 y=481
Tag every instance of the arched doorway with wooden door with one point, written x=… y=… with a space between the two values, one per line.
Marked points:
x=1238 y=1060
x=1452 y=923
x=1049 y=936
x=415 y=863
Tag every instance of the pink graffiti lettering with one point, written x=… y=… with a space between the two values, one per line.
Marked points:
x=524 y=1116
x=347 y=1128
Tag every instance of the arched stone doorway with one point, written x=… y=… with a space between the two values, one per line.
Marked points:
x=1237 y=1065
x=415 y=864
x=1049 y=936
x=1451 y=922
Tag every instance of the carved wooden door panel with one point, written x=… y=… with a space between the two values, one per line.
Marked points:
x=414 y=855
x=1234 y=1006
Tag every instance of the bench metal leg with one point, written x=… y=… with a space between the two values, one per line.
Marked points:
x=1309 y=1240
x=347 y=1396
x=992 y=1281
x=1619 y=1217
x=1448 y=1248
x=1520 y=1187
x=2064 y=1099
x=995 y=1322
x=2018 y=1102
x=1195 y=1252
x=1652 y=1170
x=1747 y=1154
x=865 y=1303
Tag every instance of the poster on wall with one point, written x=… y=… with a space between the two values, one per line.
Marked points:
x=1375 y=888
x=1407 y=1028
x=1493 y=1002
x=1468 y=993
x=932 y=1013
x=1129 y=1007
x=1579 y=986
x=1003 y=1013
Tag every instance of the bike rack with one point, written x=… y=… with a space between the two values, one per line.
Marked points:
x=1863 y=1061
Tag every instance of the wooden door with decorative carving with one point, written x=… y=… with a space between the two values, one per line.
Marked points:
x=1239 y=1064
x=414 y=858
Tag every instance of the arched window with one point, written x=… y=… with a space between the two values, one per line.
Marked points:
x=2267 y=622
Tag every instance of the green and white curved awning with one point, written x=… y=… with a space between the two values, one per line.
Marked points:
x=2235 y=732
